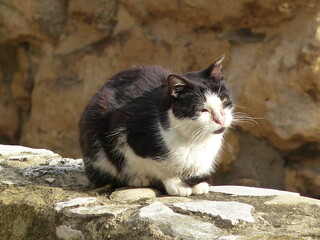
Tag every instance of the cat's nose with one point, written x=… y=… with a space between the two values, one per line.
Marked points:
x=219 y=119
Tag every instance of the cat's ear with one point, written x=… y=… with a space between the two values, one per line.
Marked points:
x=176 y=84
x=215 y=70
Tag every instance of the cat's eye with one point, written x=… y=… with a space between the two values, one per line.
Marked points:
x=204 y=110
x=224 y=100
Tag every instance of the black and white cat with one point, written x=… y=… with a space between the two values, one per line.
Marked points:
x=147 y=126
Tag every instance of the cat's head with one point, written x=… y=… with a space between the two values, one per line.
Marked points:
x=200 y=100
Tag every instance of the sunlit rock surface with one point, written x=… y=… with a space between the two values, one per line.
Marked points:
x=33 y=208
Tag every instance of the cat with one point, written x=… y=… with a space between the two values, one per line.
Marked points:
x=147 y=125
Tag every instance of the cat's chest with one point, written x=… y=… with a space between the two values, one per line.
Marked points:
x=189 y=150
x=197 y=156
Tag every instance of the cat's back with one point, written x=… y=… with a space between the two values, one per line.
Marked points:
x=128 y=85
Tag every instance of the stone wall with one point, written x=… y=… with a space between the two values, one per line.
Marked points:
x=45 y=196
x=55 y=54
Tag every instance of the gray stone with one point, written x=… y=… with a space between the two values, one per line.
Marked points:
x=8 y=182
x=100 y=210
x=67 y=233
x=249 y=191
x=134 y=194
x=172 y=199
x=231 y=237
x=14 y=151
x=38 y=171
x=55 y=166
x=1 y=169
x=231 y=211
x=177 y=225
x=74 y=202
x=66 y=162
x=292 y=200
x=50 y=180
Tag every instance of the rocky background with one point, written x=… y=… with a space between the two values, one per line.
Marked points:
x=54 y=54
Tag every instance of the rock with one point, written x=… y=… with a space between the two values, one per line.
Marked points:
x=249 y=191
x=288 y=199
x=228 y=238
x=66 y=162
x=175 y=224
x=31 y=208
x=14 y=152
x=74 y=202
x=54 y=56
x=249 y=168
x=304 y=178
x=67 y=233
x=50 y=180
x=172 y=199
x=230 y=211
x=21 y=164
x=8 y=182
x=38 y=171
x=55 y=166
x=99 y=210
x=134 y=194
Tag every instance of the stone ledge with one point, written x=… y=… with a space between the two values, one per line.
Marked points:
x=34 y=208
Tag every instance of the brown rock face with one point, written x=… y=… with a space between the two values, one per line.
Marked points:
x=55 y=54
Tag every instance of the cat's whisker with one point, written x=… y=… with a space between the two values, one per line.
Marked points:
x=238 y=106
x=219 y=88
x=181 y=124
x=245 y=115
x=198 y=134
x=245 y=120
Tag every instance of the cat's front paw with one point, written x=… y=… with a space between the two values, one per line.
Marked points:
x=139 y=181
x=200 y=188
x=177 y=187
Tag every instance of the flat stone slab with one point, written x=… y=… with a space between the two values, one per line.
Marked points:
x=38 y=171
x=231 y=211
x=66 y=162
x=134 y=194
x=99 y=210
x=249 y=191
x=231 y=237
x=291 y=200
x=20 y=152
x=38 y=200
x=54 y=166
x=7 y=182
x=174 y=224
x=74 y=202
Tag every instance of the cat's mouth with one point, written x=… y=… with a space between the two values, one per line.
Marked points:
x=221 y=130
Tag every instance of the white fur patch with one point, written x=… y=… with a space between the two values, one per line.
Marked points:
x=138 y=167
x=191 y=156
x=201 y=188
x=104 y=165
x=174 y=186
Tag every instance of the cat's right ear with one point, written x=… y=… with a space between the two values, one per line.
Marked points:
x=176 y=84
x=215 y=70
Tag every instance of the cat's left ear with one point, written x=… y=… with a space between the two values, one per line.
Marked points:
x=176 y=84
x=215 y=70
